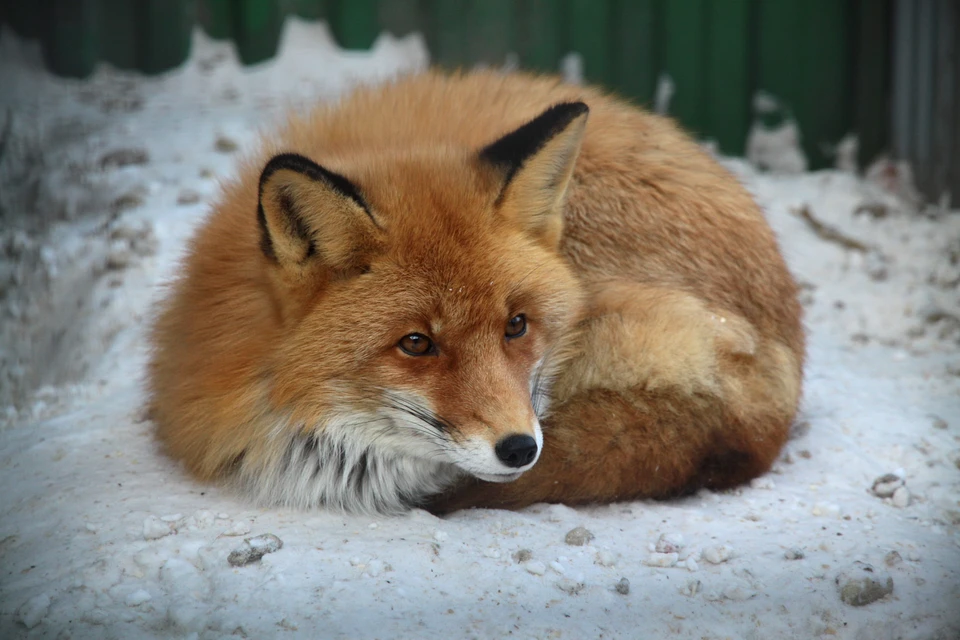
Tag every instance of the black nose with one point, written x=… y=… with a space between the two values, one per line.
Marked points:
x=517 y=451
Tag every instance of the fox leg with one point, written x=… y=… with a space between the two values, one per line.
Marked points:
x=661 y=395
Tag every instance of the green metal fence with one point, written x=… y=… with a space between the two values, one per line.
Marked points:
x=926 y=94
x=828 y=60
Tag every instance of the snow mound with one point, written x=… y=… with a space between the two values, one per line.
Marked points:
x=101 y=180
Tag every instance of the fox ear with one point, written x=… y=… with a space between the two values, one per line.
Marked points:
x=309 y=215
x=536 y=162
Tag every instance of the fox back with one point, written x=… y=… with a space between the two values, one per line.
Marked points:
x=391 y=295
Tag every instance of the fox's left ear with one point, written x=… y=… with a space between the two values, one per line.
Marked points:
x=536 y=162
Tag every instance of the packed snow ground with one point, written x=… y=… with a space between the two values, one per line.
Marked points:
x=101 y=536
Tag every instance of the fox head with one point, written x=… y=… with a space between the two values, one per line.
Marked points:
x=422 y=294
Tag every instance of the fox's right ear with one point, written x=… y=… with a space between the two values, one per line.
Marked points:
x=311 y=215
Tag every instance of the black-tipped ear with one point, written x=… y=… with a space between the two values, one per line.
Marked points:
x=536 y=162
x=307 y=212
x=510 y=152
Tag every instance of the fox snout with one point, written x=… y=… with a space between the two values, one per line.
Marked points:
x=497 y=453
x=505 y=461
x=517 y=451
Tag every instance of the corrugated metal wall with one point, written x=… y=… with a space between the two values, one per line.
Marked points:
x=826 y=59
x=926 y=103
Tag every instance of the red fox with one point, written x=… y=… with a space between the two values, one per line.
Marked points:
x=478 y=289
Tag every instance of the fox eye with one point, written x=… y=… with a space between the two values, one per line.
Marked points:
x=516 y=326
x=416 y=344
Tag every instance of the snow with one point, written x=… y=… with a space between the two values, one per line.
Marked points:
x=656 y=559
x=776 y=148
x=102 y=536
x=717 y=554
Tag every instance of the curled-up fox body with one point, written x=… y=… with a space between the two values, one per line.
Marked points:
x=479 y=289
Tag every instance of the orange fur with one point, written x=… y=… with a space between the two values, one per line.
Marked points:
x=656 y=293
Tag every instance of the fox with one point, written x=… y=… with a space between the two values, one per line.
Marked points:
x=477 y=289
